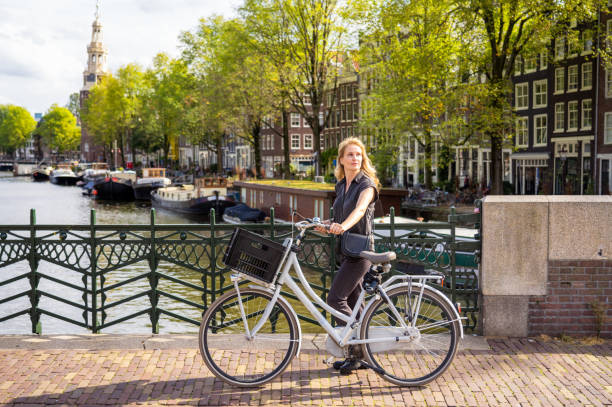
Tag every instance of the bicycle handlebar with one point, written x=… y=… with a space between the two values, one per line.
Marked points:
x=311 y=223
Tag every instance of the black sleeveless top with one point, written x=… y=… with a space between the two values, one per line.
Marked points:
x=346 y=201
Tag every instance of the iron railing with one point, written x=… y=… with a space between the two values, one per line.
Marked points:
x=104 y=270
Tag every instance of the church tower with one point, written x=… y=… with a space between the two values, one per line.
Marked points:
x=93 y=73
x=96 y=54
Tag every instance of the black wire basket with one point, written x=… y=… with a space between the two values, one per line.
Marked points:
x=254 y=255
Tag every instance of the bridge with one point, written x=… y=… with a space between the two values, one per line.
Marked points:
x=97 y=276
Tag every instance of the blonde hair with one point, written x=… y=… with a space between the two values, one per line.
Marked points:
x=366 y=165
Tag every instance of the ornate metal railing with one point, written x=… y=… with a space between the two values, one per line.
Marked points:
x=103 y=270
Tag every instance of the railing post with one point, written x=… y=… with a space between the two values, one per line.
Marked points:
x=93 y=244
x=272 y=234
x=453 y=246
x=392 y=230
x=213 y=257
x=153 y=278
x=33 y=277
x=332 y=264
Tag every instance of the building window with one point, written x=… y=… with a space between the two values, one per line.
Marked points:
x=587 y=114
x=559 y=80
x=539 y=127
x=355 y=111
x=295 y=141
x=608 y=128
x=521 y=92
x=308 y=141
x=587 y=76
x=572 y=78
x=544 y=60
x=560 y=48
x=587 y=42
x=573 y=45
x=559 y=117
x=522 y=132
x=539 y=93
x=295 y=120
x=572 y=115
x=530 y=64
x=518 y=65
x=608 y=82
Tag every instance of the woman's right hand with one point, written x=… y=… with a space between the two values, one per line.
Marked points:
x=321 y=228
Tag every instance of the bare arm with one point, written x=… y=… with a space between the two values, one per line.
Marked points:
x=365 y=198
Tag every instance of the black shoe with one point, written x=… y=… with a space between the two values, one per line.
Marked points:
x=338 y=364
x=349 y=365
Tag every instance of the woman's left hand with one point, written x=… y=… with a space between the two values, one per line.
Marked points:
x=336 y=229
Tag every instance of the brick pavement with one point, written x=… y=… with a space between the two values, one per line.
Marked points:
x=529 y=372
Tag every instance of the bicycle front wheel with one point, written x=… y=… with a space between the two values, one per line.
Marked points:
x=435 y=333
x=231 y=354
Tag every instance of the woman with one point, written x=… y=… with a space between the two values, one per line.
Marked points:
x=356 y=193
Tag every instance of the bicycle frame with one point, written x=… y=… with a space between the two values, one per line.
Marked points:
x=342 y=338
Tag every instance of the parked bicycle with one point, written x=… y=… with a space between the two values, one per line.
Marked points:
x=408 y=331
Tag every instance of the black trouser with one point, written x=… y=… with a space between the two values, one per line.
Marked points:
x=346 y=287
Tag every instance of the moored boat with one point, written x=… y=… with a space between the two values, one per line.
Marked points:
x=152 y=179
x=240 y=214
x=63 y=175
x=96 y=172
x=196 y=199
x=117 y=186
x=42 y=173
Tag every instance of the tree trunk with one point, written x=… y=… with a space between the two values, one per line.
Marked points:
x=122 y=147
x=287 y=158
x=316 y=134
x=219 y=155
x=255 y=133
x=428 y=163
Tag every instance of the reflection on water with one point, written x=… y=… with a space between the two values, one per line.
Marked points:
x=67 y=206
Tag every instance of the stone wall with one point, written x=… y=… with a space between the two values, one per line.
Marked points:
x=578 y=292
x=545 y=259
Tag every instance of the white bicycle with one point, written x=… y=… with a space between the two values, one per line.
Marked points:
x=408 y=331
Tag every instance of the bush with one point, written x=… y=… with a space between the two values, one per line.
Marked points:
x=330 y=178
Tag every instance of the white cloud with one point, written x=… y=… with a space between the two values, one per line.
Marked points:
x=43 y=43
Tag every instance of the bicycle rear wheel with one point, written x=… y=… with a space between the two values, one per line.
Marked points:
x=231 y=355
x=429 y=354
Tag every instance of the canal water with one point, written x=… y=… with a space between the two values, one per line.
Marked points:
x=64 y=205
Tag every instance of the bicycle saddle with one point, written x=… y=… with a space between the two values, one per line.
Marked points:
x=378 y=258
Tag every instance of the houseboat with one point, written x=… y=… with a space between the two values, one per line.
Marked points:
x=240 y=214
x=152 y=179
x=195 y=200
x=63 y=175
x=117 y=186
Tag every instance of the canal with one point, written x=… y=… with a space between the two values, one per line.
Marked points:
x=66 y=205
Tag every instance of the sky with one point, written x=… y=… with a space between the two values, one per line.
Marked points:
x=43 y=43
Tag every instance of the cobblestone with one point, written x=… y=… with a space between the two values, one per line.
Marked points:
x=514 y=371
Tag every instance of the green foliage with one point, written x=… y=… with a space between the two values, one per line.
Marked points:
x=59 y=129
x=409 y=61
x=16 y=126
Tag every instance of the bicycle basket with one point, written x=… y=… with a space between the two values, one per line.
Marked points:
x=252 y=254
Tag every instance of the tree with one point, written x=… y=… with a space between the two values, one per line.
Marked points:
x=498 y=33
x=16 y=126
x=235 y=83
x=74 y=106
x=59 y=129
x=169 y=84
x=310 y=33
x=409 y=59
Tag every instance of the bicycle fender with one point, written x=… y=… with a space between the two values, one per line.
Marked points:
x=297 y=320
x=444 y=297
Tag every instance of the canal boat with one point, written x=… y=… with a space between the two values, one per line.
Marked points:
x=241 y=214
x=95 y=173
x=63 y=175
x=42 y=173
x=117 y=186
x=152 y=179
x=196 y=200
